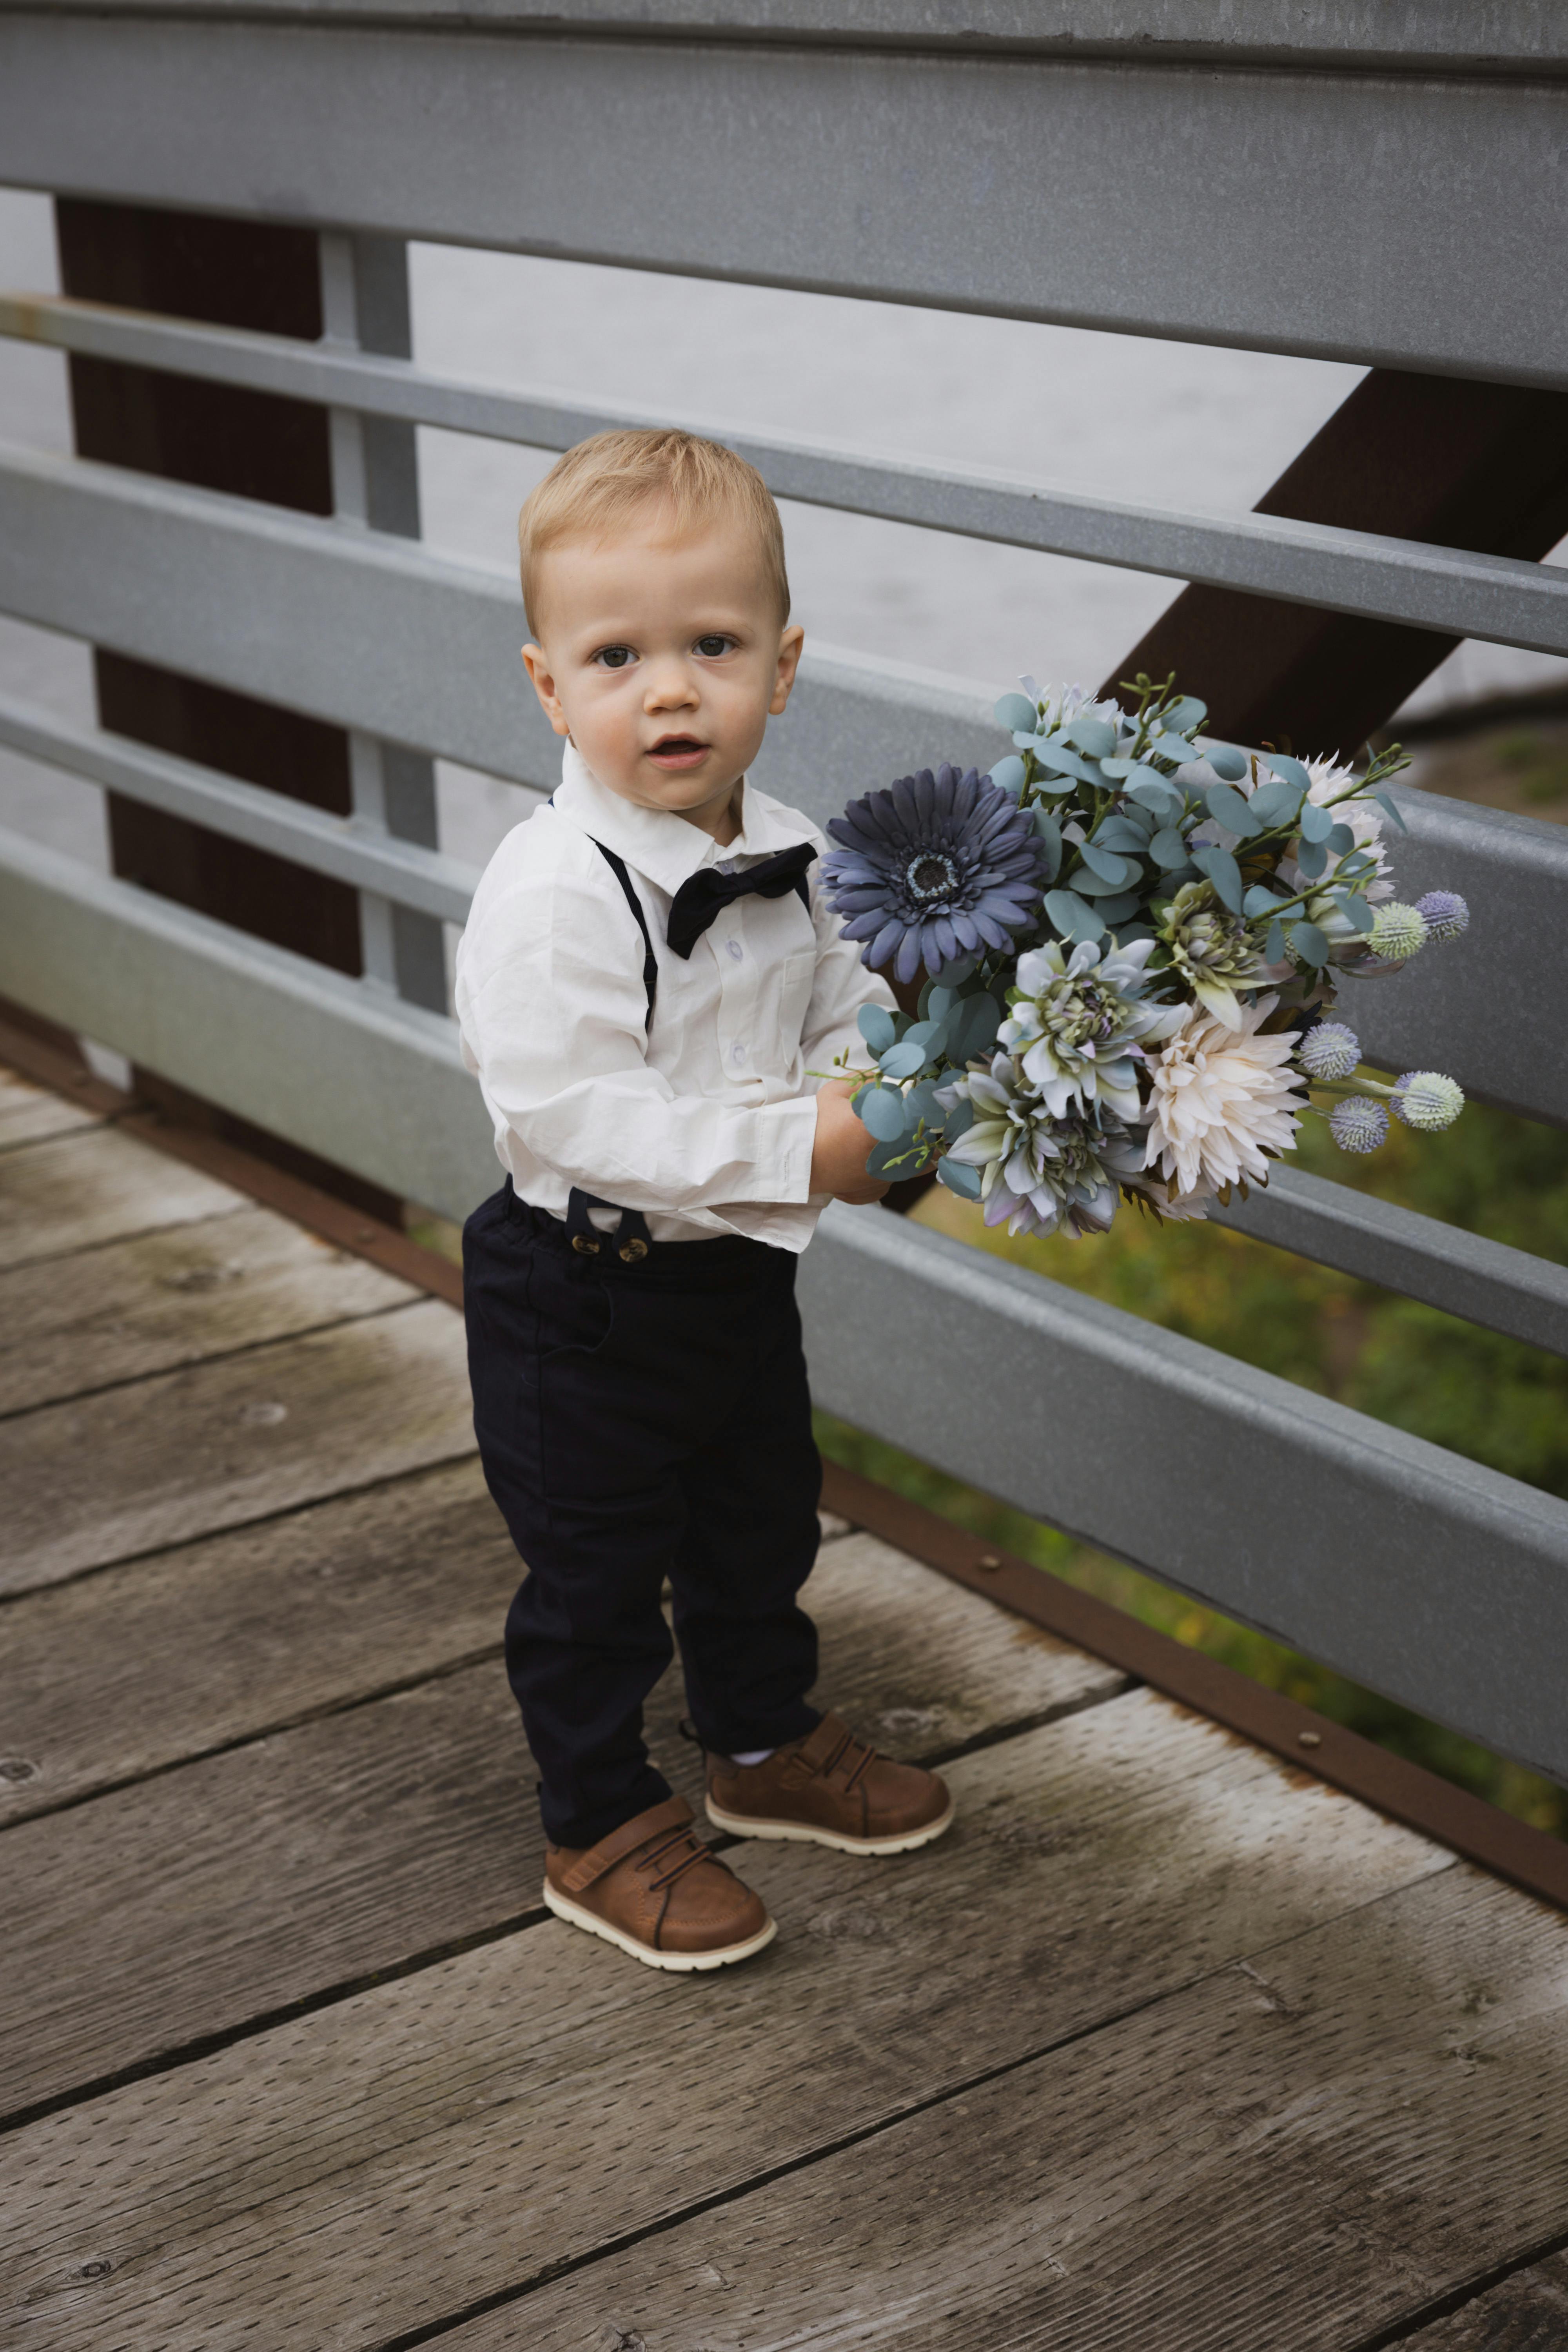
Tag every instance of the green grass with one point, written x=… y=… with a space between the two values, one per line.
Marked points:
x=1491 y=1399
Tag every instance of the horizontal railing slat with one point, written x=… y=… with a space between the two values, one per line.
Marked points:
x=1441 y=36
x=1304 y=212
x=1435 y=1580
x=377 y=633
x=1497 y=598
x=1486 y=1282
x=400 y=870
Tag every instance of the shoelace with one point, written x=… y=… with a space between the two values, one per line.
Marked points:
x=867 y=1757
x=696 y=1851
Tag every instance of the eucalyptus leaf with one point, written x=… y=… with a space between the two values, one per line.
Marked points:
x=882 y=1114
x=1090 y=884
x=1159 y=794
x=1340 y=840
x=938 y=999
x=960 y=1119
x=1106 y=865
x=1007 y=775
x=1311 y=856
x=1173 y=747
x=923 y=1035
x=1120 y=833
x=875 y=1024
x=1050 y=834
x=1275 y=801
x=1183 y=716
x=894 y=1159
x=1115 y=911
x=1258 y=901
x=1169 y=848
x=1291 y=769
x=1096 y=737
x=1355 y=910
x=1391 y=808
x=974 y=1031
x=1274 y=945
x=960 y=1178
x=1227 y=807
x=1222 y=872
x=1226 y=762
x=1316 y=824
x=1072 y=915
x=1056 y=756
x=1310 y=943
x=1016 y=712
x=902 y=1060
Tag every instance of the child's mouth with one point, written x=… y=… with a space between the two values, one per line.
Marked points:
x=678 y=751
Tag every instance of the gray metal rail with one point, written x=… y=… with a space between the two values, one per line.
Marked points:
x=1346 y=172
x=1444 y=588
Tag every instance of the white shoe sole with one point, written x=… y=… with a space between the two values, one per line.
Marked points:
x=743 y=1825
x=675 y=1963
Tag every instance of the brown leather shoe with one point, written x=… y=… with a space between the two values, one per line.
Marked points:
x=831 y=1789
x=655 y=1889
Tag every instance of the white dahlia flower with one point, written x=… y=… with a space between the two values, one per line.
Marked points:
x=1223 y=1097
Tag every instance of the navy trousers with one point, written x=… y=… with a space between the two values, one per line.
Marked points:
x=637 y=1421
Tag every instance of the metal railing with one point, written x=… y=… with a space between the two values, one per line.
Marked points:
x=1066 y=182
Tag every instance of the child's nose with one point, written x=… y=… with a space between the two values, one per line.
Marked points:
x=670 y=682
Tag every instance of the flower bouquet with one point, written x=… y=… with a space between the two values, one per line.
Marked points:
x=1131 y=935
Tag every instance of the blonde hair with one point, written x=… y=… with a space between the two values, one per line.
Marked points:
x=594 y=487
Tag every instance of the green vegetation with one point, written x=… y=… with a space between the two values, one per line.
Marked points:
x=1488 y=1398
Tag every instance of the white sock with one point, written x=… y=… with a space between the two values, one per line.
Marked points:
x=753 y=1756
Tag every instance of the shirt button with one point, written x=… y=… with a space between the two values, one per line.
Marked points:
x=736 y=950
x=737 y=1053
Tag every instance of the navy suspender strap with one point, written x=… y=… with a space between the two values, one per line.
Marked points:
x=617 y=867
x=649 y=961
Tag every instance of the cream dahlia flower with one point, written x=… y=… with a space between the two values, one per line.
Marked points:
x=1223 y=1097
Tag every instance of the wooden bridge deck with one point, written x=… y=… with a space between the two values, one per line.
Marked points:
x=1167 y=2046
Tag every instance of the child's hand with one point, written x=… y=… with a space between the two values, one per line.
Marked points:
x=839 y=1161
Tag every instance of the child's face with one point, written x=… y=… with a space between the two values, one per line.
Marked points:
x=662 y=657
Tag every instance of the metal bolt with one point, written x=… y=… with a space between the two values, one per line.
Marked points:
x=990 y=1562
x=1309 y=1739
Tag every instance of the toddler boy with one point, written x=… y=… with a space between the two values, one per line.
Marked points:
x=647 y=977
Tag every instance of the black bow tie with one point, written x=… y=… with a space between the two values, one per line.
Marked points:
x=702 y=894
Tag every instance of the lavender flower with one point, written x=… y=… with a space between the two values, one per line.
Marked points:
x=1357 y=1124
x=939 y=867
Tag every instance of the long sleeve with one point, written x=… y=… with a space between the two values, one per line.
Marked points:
x=841 y=987
x=554 y=1013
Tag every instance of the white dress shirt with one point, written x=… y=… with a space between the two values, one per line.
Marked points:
x=705 y=1122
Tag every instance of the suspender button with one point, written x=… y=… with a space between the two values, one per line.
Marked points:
x=631 y=1253
x=585 y=1248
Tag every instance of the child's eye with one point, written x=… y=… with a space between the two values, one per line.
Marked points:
x=614 y=657
x=712 y=646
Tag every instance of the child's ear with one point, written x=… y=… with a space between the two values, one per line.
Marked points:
x=789 y=644
x=534 y=661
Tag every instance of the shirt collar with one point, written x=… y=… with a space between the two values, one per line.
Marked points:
x=661 y=844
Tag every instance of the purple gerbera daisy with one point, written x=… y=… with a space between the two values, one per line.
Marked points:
x=939 y=867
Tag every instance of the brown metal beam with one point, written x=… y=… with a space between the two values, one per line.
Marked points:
x=1457 y=463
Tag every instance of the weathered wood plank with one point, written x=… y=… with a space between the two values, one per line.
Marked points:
x=173 y=1296
x=29 y=1113
x=185 y=1453
x=1303 y=2150
x=395 y=2157
x=1527 y=2313
x=72 y=1192
x=122 y=1673
x=322 y=1854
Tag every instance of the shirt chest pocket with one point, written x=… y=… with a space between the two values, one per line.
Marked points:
x=791 y=997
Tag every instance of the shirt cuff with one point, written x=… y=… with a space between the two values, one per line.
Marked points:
x=786 y=1139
